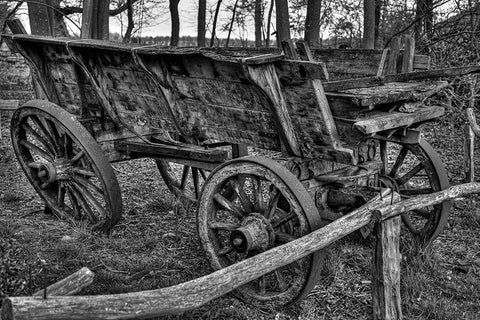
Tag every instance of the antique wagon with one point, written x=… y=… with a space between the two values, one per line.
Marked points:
x=338 y=125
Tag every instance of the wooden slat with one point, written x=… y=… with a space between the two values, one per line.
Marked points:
x=408 y=54
x=15 y=26
x=266 y=78
x=394 y=54
x=389 y=120
x=182 y=151
x=9 y=104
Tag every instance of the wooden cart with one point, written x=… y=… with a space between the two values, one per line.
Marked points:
x=340 y=129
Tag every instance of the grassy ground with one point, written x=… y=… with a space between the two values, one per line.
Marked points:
x=155 y=245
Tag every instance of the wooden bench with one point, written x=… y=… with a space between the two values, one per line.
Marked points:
x=7 y=105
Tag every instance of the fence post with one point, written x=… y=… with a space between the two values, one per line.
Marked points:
x=387 y=303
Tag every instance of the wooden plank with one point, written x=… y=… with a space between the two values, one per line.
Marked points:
x=390 y=92
x=469 y=155
x=16 y=26
x=387 y=302
x=382 y=64
x=289 y=50
x=341 y=85
x=68 y=286
x=9 y=105
x=182 y=151
x=408 y=54
x=388 y=120
x=266 y=78
x=394 y=54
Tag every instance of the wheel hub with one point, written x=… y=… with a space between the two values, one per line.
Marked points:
x=255 y=233
x=60 y=169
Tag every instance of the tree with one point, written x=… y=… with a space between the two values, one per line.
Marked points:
x=202 y=14
x=215 y=18
x=175 y=22
x=283 y=21
x=368 y=24
x=424 y=20
x=312 y=22
x=95 y=16
x=44 y=19
x=258 y=17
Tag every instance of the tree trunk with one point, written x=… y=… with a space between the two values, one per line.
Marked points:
x=128 y=32
x=312 y=23
x=175 y=22
x=283 y=22
x=269 y=22
x=368 y=24
x=378 y=18
x=424 y=18
x=95 y=19
x=202 y=13
x=40 y=18
x=258 y=23
x=212 y=40
x=231 y=23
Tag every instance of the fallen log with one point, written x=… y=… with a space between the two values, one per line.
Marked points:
x=68 y=286
x=194 y=293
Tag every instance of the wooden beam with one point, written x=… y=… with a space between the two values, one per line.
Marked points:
x=68 y=286
x=408 y=54
x=394 y=54
x=16 y=26
x=387 y=303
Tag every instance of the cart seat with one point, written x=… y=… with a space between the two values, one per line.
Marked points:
x=392 y=92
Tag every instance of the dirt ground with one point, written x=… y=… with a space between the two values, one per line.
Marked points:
x=155 y=245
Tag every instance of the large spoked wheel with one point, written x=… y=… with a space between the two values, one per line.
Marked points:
x=65 y=165
x=413 y=170
x=270 y=207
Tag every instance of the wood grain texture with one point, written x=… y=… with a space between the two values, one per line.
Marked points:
x=387 y=303
x=70 y=285
x=408 y=54
x=392 y=66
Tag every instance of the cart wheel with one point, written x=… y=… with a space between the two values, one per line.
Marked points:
x=271 y=207
x=414 y=170
x=65 y=165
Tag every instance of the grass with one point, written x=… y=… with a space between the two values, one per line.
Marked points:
x=155 y=245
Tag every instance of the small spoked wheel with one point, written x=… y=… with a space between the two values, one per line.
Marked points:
x=184 y=181
x=412 y=170
x=269 y=208
x=65 y=165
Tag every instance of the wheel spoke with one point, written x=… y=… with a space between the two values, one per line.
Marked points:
x=262 y=285
x=282 y=284
x=45 y=132
x=224 y=226
x=272 y=205
x=67 y=145
x=184 y=180
x=226 y=204
x=83 y=203
x=88 y=185
x=259 y=206
x=225 y=251
x=203 y=174
x=90 y=198
x=284 y=220
x=408 y=223
x=78 y=156
x=398 y=162
x=283 y=237
x=37 y=150
x=245 y=201
x=54 y=134
x=196 y=182
x=34 y=165
x=410 y=174
x=74 y=203
x=83 y=172
x=61 y=195
x=38 y=138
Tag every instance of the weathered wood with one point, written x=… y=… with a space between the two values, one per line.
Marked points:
x=380 y=121
x=469 y=155
x=289 y=50
x=9 y=105
x=182 y=151
x=265 y=77
x=408 y=54
x=70 y=285
x=383 y=61
x=394 y=54
x=390 y=92
x=387 y=304
x=472 y=121
x=191 y=294
x=16 y=26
